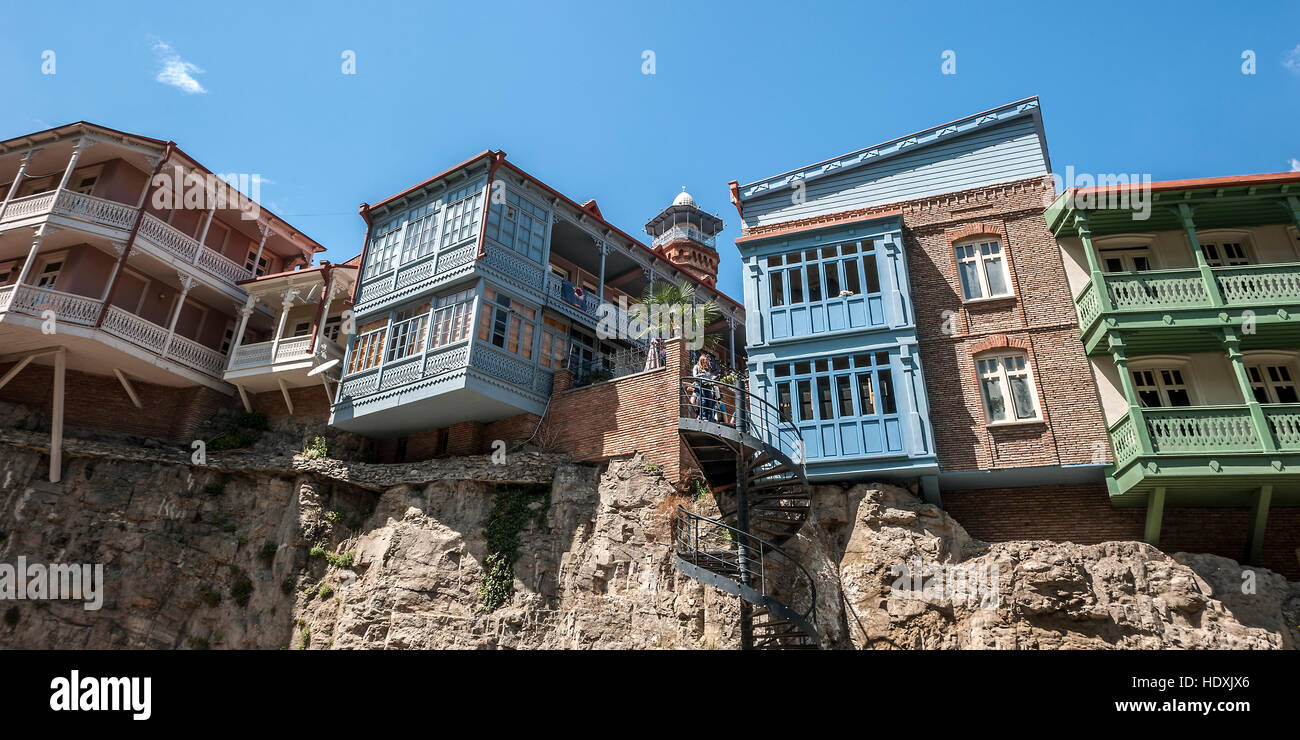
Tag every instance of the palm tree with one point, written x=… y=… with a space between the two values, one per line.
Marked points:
x=665 y=322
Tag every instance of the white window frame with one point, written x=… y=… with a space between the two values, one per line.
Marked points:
x=1216 y=238
x=1262 y=358
x=1000 y=372
x=1157 y=363
x=979 y=259
x=44 y=262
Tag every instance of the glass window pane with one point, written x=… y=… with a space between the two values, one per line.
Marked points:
x=866 y=398
x=1149 y=399
x=997 y=278
x=805 y=400
x=970 y=281
x=776 y=282
x=844 y=392
x=852 y=281
x=814 y=282
x=887 y=402
x=1022 y=397
x=1179 y=397
x=824 y=398
x=783 y=400
x=993 y=393
x=873 y=278
x=832 y=279
x=796 y=285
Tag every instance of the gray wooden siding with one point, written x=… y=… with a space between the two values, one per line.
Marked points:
x=1008 y=151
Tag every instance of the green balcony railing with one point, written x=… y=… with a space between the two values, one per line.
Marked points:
x=1254 y=285
x=1163 y=290
x=1206 y=430
x=1284 y=422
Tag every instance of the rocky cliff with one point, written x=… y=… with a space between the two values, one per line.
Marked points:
x=268 y=549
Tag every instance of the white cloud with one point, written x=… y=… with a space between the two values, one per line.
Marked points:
x=1292 y=60
x=176 y=71
x=1295 y=164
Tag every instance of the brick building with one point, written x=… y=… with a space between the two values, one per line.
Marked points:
x=1020 y=437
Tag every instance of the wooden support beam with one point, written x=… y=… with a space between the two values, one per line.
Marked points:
x=126 y=386
x=22 y=363
x=1258 y=523
x=284 y=390
x=329 y=395
x=56 y=417
x=243 y=396
x=33 y=353
x=1155 y=513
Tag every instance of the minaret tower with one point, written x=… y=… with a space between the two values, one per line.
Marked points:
x=684 y=234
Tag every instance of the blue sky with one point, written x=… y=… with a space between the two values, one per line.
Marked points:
x=740 y=90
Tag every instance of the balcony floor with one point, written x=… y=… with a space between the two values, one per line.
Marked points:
x=457 y=398
x=1190 y=481
x=96 y=352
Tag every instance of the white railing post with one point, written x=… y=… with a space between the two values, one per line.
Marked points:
x=186 y=283
x=257 y=258
x=31 y=255
x=82 y=144
x=286 y=298
x=18 y=179
x=203 y=233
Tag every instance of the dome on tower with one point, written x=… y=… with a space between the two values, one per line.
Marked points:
x=683 y=198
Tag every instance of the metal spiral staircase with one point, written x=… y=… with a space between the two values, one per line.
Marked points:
x=752 y=460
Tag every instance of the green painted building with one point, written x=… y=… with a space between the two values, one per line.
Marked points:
x=1188 y=296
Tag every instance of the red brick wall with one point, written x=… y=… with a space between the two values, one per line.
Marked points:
x=309 y=401
x=98 y=402
x=1083 y=514
x=1040 y=318
x=636 y=413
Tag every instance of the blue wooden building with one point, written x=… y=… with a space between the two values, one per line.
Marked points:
x=479 y=283
x=833 y=335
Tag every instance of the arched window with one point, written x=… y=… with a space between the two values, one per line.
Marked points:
x=982 y=268
x=1273 y=376
x=1125 y=253
x=1226 y=247
x=1163 y=382
x=1007 y=387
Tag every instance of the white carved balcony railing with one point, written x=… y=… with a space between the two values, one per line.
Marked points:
x=134 y=329
x=222 y=267
x=29 y=206
x=6 y=295
x=168 y=237
x=96 y=210
x=251 y=355
x=291 y=348
x=67 y=307
x=192 y=354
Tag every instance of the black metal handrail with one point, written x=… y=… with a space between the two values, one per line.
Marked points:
x=702 y=540
x=710 y=400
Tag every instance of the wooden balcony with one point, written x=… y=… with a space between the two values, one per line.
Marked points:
x=115 y=220
x=1207 y=453
x=80 y=311
x=1180 y=304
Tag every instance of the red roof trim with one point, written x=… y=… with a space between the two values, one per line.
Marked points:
x=821 y=224
x=1268 y=178
x=431 y=180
